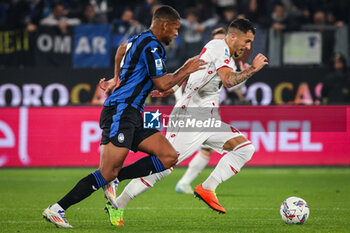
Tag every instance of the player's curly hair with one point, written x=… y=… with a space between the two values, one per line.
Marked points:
x=166 y=13
x=243 y=25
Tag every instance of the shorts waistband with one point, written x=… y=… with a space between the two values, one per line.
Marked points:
x=112 y=103
x=115 y=103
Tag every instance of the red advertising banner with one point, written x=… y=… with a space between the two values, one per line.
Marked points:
x=282 y=135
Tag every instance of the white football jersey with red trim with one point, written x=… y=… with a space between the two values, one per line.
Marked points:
x=204 y=86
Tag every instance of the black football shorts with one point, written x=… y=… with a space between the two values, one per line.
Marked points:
x=122 y=125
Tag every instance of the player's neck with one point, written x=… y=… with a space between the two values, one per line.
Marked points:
x=232 y=52
x=155 y=31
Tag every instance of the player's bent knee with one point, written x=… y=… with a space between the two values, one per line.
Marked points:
x=234 y=142
x=109 y=173
x=250 y=150
x=107 y=176
x=169 y=160
x=246 y=152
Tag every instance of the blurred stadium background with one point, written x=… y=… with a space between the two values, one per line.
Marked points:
x=53 y=53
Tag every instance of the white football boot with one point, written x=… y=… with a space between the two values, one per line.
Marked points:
x=110 y=191
x=56 y=217
x=184 y=188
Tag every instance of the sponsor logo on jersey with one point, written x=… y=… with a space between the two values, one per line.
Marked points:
x=227 y=61
x=159 y=64
x=154 y=50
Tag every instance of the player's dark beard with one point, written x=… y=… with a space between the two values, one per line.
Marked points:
x=167 y=41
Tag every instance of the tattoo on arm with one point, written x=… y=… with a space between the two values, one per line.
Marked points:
x=235 y=78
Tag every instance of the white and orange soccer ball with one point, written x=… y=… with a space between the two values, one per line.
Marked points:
x=294 y=210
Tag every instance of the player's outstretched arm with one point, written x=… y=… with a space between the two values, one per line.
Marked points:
x=159 y=94
x=168 y=81
x=108 y=86
x=230 y=79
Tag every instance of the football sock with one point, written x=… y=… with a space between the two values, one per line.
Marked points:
x=142 y=167
x=195 y=167
x=138 y=186
x=210 y=183
x=84 y=188
x=123 y=199
x=229 y=165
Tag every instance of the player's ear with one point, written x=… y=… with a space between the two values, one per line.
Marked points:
x=233 y=35
x=165 y=25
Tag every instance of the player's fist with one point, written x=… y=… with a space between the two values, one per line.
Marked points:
x=107 y=86
x=159 y=94
x=156 y=93
x=259 y=62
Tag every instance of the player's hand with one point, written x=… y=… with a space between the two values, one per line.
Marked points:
x=259 y=62
x=159 y=94
x=193 y=64
x=107 y=86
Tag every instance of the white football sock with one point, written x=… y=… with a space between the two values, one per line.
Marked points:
x=195 y=167
x=123 y=199
x=138 y=186
x=229 y=165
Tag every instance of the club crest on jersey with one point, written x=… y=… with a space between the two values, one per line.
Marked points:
x=159 y=64
x=227 y=61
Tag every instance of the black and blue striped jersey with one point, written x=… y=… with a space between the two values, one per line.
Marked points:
x=144 y=59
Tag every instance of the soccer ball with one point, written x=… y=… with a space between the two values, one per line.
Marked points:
x=294 y=210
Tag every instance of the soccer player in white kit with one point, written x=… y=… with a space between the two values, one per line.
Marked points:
x=201 y=159
x=200 y=101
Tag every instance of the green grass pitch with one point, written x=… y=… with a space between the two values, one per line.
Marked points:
x=252 y=199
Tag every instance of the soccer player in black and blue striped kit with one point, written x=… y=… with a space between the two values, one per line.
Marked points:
x=140 y=65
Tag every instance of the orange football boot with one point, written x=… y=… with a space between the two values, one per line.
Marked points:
x=209 y=197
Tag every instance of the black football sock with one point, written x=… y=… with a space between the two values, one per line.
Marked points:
x=142 y=167
x=84 y=188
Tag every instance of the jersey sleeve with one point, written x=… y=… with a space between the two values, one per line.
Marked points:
x=220 y=56
x=155 y=60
